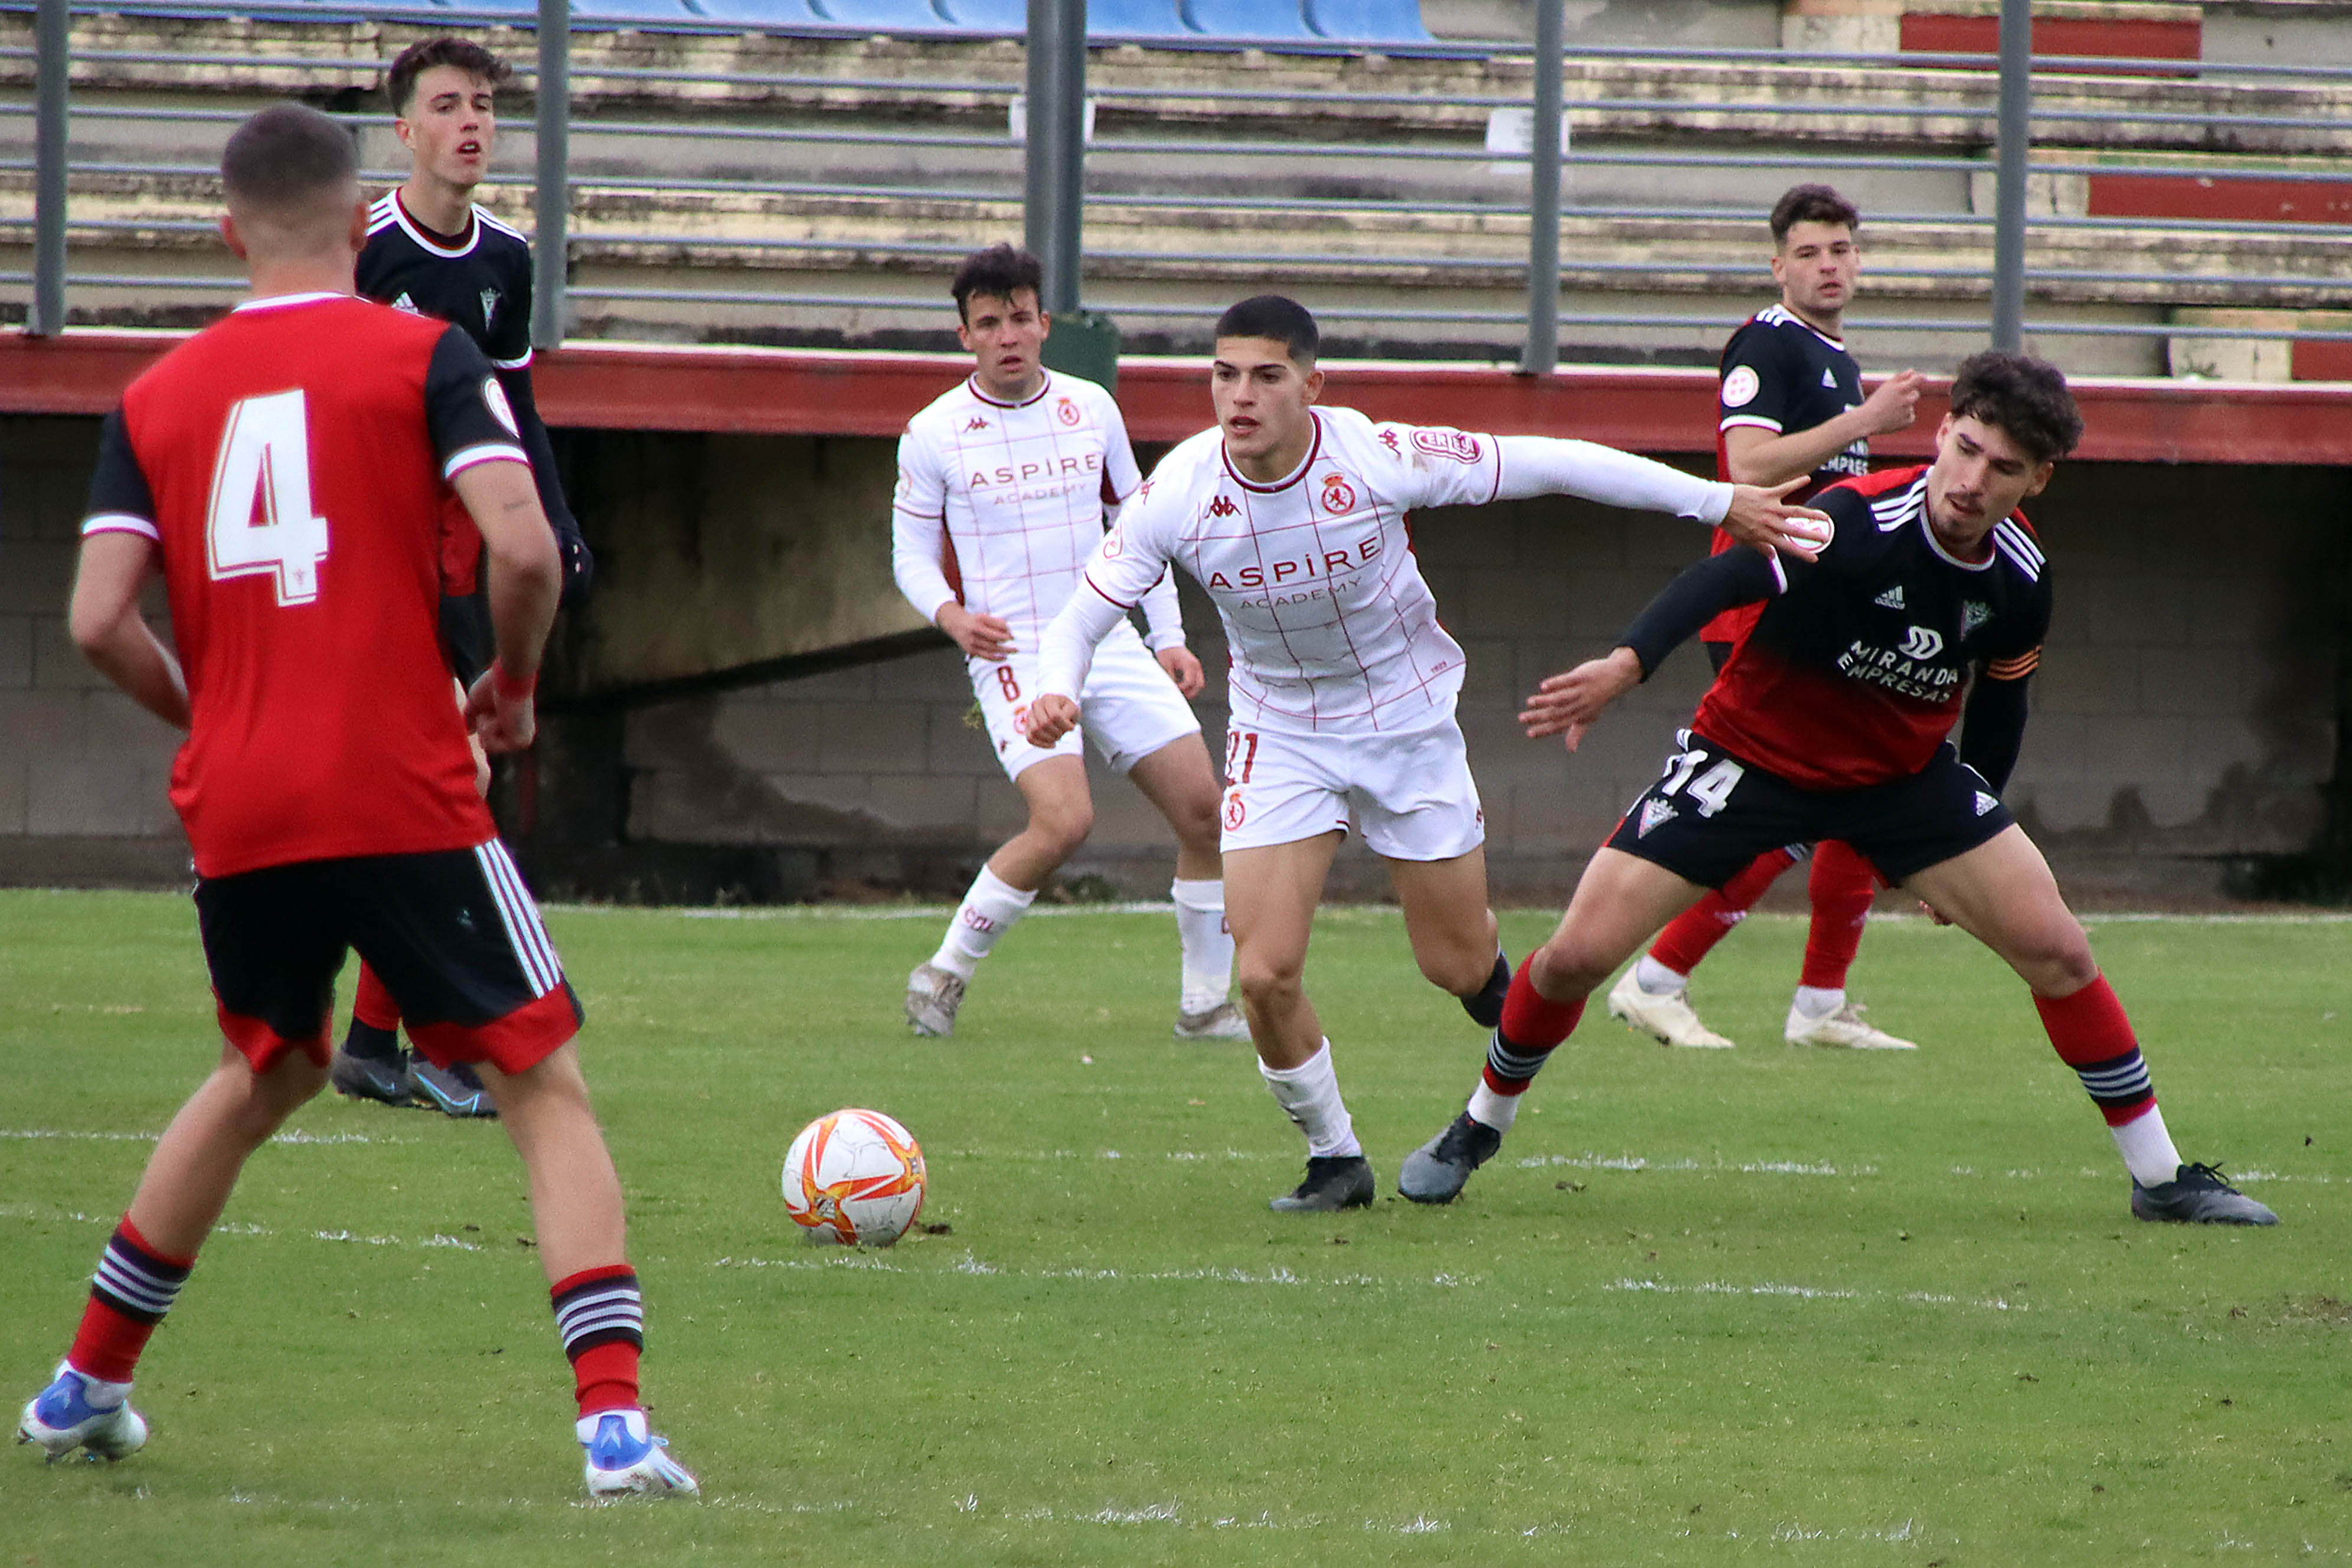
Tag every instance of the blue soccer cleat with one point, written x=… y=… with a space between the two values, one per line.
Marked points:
x=625 y=1460
x=62 y=1418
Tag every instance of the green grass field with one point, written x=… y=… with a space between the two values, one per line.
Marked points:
x=1759 y=1306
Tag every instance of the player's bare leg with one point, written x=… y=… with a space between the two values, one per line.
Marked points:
x=1177 y=780
x=181 y=1194
x=2001 y=893
x=1452 y=929
x=1270 y=897
x=1620 y=903
x=1061 y=815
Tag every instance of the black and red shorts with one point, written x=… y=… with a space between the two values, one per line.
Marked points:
x=1711 y=813
x=453 y=933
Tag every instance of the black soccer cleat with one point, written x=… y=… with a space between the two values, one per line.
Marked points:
x=1485 y=1007
x=454 y=1090
x=372 y=1065
x=1438 y=1171
x=2198 y=1196
x=1334 y=1182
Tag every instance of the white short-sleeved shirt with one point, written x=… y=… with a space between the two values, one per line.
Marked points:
x=1332 y=629
x=1021 y=490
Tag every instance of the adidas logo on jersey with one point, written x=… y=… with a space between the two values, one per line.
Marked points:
x=1985 y=803
x=1890 y=600
x=1654 y=812
x=1828 y=381
x=405 y=303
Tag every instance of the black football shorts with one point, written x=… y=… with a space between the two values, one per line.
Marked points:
x=1710 y=815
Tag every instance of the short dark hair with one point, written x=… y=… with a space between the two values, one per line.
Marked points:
x=1810 y=203
x=1284 y=320
x=2024 y=396
x=400 y=81
x=998 y=272
x=284 y=157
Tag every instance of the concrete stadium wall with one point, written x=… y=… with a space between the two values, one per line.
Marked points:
x=2186 y=716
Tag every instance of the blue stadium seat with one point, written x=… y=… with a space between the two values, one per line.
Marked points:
x=882 y=16
x=1240 y=20
x=631 y=13
x=784 y=16
x=1368 y=21
x=987 y=15
x=1135 y=19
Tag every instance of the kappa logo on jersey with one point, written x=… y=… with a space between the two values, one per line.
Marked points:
x=1389 y=440
x=1972 y=615
x=1740 y=388
x=977 y=424
x=489 y=307
x=1223 y=506
x=1922 y=642
x=1338 y=495
x=1453 y=444
x=1654 y=812
x=1890 y=600
x=1985 y=803
x=1067 y=412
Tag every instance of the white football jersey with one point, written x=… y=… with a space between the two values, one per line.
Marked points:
x=1010 y=500
x=1331 y=627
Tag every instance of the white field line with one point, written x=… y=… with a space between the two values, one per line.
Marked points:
x=293 y=1136
x=437 y=1240
x=1808 y=1293
x=860 y=913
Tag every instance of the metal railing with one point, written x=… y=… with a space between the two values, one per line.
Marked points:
x=1390 y=160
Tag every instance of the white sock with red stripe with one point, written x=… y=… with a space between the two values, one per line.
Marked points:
x=991 y=908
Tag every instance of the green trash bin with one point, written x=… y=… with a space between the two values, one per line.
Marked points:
x=1084 y=343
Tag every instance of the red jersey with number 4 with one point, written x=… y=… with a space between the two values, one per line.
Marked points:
x=291 y=464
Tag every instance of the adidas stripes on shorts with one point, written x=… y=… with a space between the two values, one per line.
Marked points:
x=1710 y=815
x=453 y=933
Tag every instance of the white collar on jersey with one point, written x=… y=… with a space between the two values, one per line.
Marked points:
x=409 y=228
x=275 y=301
x=1044 y=386
x=1314 y=448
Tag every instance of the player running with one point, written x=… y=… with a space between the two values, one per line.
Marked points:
x=431 y=250
x=1791 y=407
x=1293 y=518
x=285 y=468
x=1003 y=485
x=1831 y=721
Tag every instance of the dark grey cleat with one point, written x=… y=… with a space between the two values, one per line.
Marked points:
x=454 y=1090
x=372 y=1065
x=2198 y=1196
x=1334 y=1182
x=1438 y=1171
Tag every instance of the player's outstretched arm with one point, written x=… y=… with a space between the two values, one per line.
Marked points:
x=113 y=635
x=1543 y=465
x=1567 y=704
x=526 y=579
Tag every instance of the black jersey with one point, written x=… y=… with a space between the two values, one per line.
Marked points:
x=479 y=282
x=1781 y=376
x=1854 y=672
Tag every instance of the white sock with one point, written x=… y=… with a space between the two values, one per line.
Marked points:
x=1208 y=944
x=1495 y=1111
x=1817 y=1001
x=1309 y=1094
x=2147 y=1148
x=989 y=911
x=1656 y=979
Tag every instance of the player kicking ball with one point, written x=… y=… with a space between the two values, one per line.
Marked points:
x=1003 y=487
x=1831 y=721
x=284 y=468
x=1293 y=518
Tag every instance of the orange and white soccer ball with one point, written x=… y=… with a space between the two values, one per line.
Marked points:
x=855 y=1177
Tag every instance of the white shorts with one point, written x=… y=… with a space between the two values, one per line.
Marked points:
x=1411 y=794
x=1128 y=709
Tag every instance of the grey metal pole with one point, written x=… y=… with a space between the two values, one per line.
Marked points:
x=551 y=249
x=2009 y=209
x=53 y=35
x=1541 y=356
x=1055 y=164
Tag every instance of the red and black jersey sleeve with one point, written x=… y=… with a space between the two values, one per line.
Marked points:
x=465 y=408
x=120 y=501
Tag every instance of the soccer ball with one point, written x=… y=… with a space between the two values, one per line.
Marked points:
x=855 y=1177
